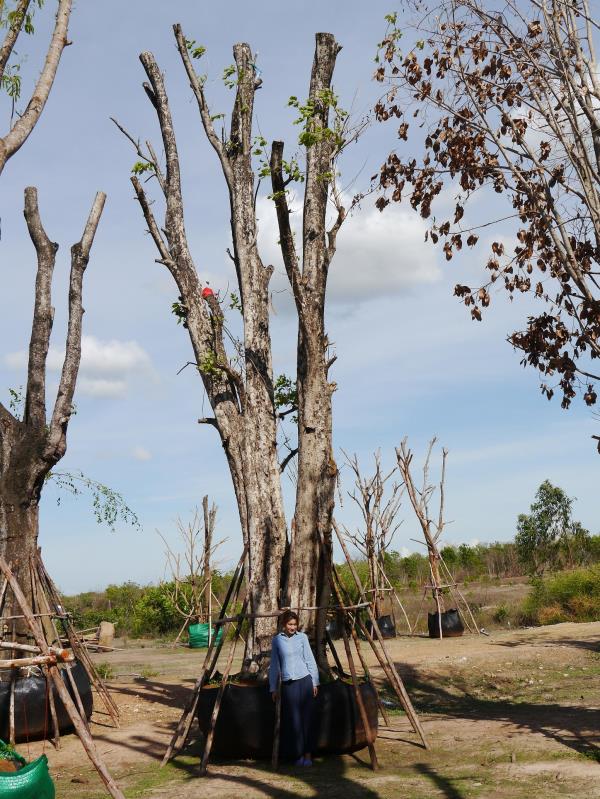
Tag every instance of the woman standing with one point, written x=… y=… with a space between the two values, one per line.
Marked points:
x=292 y=660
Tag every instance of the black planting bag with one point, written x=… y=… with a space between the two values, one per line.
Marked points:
x=452 y=626
x=246 y=720
x=32 y=708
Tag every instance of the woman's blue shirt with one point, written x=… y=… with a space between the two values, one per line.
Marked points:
x=292 y=658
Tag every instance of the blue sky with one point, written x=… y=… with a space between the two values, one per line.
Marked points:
x=410 y=360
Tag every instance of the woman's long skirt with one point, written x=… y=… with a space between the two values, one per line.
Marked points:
x=297 y=711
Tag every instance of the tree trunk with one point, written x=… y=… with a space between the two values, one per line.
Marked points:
x=19 y=527
x=311 y=547
x=30 y=447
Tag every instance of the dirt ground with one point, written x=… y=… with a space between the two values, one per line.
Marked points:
x=507 y=716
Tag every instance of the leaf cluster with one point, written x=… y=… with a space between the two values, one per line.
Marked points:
x=508 y=104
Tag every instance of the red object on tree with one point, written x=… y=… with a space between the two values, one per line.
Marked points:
x=207 y=292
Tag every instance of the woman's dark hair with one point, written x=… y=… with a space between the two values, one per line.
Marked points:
x=286 y=616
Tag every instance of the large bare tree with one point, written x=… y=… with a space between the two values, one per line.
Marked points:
x=30 y=446
x=503 y=98
x=239 y=384
x=17 y=18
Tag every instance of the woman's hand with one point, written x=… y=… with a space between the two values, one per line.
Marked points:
x=315 y=690
x=274 y=696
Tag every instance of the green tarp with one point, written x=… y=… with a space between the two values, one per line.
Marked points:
x=33 y=781
x=199 y=635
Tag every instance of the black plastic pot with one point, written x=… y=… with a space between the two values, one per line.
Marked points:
x=32 y=709
x=246 y=719
x=452 y=626
x=335 y=625
x=386 y=626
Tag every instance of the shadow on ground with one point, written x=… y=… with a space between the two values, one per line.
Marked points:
x=576 y=727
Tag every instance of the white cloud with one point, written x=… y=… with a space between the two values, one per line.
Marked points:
x=141 y=454
x=378 y=254
x=106 y=366
x=97 y=357
x=102 y=388
x=112 y=357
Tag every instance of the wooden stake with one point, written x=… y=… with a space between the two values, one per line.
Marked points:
x=80 y=728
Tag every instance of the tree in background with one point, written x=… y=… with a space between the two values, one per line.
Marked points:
x=379 y=502
x=503 y=98
x=547 y=537
x=237 y=374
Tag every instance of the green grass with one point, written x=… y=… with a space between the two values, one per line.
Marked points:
x=568 y=596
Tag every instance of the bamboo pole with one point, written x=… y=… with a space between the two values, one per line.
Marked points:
x=61 y=689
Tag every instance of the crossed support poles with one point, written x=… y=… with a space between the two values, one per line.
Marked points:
x=48 y=654
x=345 y=606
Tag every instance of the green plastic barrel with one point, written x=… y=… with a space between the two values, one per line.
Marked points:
x=33 y=781
x=199 y=635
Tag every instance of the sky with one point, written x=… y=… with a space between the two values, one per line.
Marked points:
x=410 y=360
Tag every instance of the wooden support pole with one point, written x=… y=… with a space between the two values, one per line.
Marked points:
x=53 y=715
x=54 y=650
x=277 y=728
x=182 y=730
x=357 y=693
x=363 y=663
x=39 y=660
x=217 y=706
x=11 y=711
x=383 y=656
x=77 y=646
x=333 y=651
x=61 y=689
x=396 y=597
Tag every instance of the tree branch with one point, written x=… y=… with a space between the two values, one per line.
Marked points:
x=63 y=406
x=198 y=90
x=286 y=236
x=13 y=34
x=43 y=313
x=27 y=121
x=291 y=454
x=152 y=225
